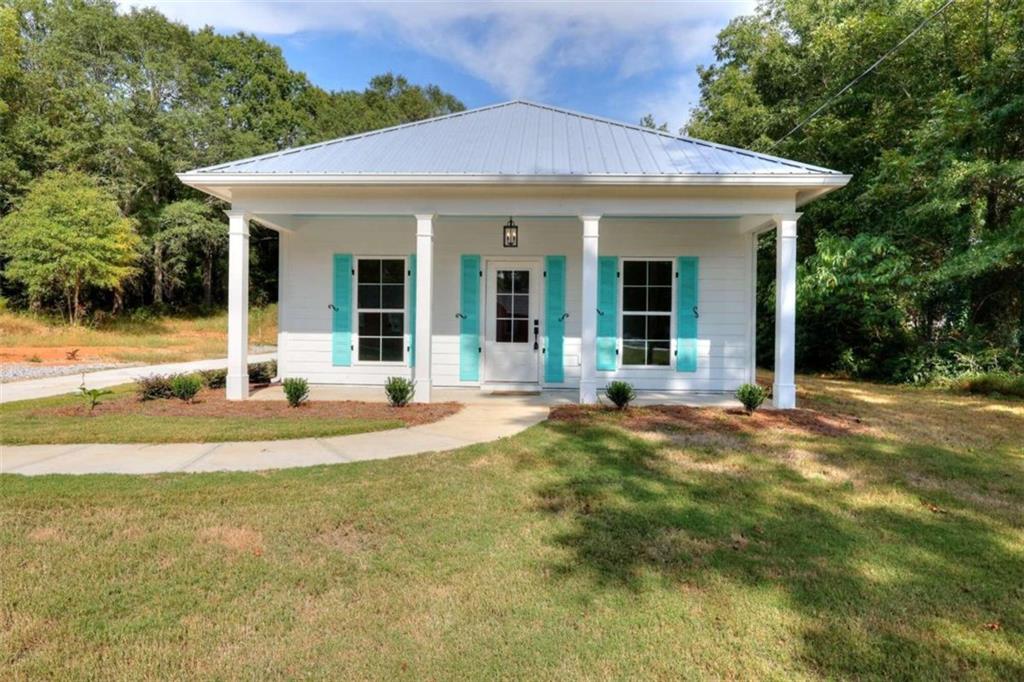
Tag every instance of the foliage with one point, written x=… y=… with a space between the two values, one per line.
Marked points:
x=922 y=254
x=399 y=391
x=621 y=393
x=262 y=372
x=751 y=396
x=214 y=378
x=92 y=396
x=185 y=386
x=296 y=390
x=992 y=383
x=67 y=237
x=154 y=387
x=132 y=98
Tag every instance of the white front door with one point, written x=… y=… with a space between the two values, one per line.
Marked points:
x=511 y=354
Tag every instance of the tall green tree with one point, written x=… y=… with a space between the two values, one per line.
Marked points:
x=68 y=238
x=935 y=141
x=189 y=239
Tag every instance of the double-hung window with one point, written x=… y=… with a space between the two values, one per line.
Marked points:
x=646 y=312
x=380 y=308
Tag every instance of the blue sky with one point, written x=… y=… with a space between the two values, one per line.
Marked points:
x=615 y=59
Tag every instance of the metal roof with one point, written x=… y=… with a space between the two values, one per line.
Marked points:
x=515 y=139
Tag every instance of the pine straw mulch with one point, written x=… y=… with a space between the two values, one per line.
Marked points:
x=683 y=418
x=212 y=403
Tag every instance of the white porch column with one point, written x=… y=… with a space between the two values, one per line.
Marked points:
x=588 y=317
x=238 y=305
x=784 y=388
x=424 y=305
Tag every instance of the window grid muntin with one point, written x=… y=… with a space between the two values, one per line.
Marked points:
x=380 y=309
x=512 y=306
x=647 y=301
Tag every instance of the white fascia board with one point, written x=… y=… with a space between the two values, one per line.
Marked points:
x=209 y=182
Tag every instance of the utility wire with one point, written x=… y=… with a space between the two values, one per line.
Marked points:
x=871 y=68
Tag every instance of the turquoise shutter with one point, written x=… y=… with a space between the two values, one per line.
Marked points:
x=469 y=323
x=554 y=324
x=686 y=314
x=341 y=314
x=411 y=315
x=607 y=306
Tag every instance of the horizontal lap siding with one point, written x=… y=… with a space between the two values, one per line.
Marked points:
x=724 y=287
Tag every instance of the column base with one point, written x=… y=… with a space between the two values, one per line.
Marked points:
x=588 y=392
x=422 y=394
x=237 y=387
x=784 y=396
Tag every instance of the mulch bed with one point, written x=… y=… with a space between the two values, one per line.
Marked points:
x=681 y=417
x=212 y=403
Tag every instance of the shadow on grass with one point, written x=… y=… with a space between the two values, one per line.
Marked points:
x=895 y=570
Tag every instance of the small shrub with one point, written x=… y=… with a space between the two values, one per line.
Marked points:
x=262 y=372
x=989 y=383
x=92 y=395
x=296 y=390
x=35 y=358
x=185 y=386
x=752 y=396
x=154 y=387
x=621 y=393
x=399 y=391
x=214 y=378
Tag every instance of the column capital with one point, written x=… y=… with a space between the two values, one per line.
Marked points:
x=785 y=223
x=424 y=224
x=238 y=221
x=590 y=225
x=590 y=217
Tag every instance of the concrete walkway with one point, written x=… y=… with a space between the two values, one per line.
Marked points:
x=475 y=423
x=44 y=388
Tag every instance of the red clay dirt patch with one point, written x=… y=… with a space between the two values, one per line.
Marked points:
x=212 y=403
x=681 y=417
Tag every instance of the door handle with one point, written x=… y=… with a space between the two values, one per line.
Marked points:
x=536 y=334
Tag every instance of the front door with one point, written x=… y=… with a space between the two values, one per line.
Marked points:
x=511 y=354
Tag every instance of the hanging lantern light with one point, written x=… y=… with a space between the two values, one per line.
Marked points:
x=510 y=234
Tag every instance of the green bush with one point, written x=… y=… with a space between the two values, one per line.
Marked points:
x=621 y=393
x=154 y=387
x=296 y=390
x=185 y=386
x=989 y=383
x=214 y=378
x=751 y=395
x=399 y=391
x=262 y=372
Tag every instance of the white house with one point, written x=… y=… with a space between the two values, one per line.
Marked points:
x=517 y=246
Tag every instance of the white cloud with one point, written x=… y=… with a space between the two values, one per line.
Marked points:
x=516 y=47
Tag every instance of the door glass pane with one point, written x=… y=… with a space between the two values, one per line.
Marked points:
x=504 y=281
x=391 y=349
x=393 y=271
x=657 y=352
x=633 y=352
x=369 y=271
x=659 y=272
x=369 y=296
x=521 y=307
x=503 y=331
x=393 y=296
x=504 y=308
x=369 y=324
x=634 y=272
x=521 y=281
x=369 y=349
x=520 y=331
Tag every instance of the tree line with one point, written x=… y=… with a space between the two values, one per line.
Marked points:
x=100 y=109
x=917 y=267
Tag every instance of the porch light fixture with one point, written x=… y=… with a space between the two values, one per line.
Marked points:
x=510 y=234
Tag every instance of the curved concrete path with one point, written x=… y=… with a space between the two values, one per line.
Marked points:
x=474 y=423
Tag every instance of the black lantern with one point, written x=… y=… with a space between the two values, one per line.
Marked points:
x=510 y=234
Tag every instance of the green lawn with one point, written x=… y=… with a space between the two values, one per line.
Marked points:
x=881 y=536
x=27 y=422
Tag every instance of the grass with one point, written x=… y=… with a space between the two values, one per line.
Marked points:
x=31 y=421
x=129 y=339
x=876 y=537
x=991 y=383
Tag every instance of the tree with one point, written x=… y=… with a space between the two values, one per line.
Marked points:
x=68 y=237
x=186 y=229
x=648 y=122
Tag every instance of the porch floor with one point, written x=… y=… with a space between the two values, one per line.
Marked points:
x=474 y=396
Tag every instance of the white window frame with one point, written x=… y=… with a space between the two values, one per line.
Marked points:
x=406 y=334
x=620 y=322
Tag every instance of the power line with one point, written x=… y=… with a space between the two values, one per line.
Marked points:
x=871 y=68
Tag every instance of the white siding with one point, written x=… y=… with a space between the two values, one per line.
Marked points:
x=725 y=290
